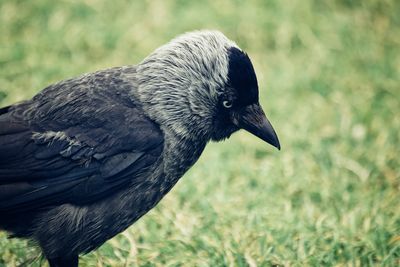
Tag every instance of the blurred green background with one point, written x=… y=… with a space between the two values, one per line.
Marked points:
x=329 y=74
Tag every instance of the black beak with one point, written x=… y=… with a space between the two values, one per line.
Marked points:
x=253 y=120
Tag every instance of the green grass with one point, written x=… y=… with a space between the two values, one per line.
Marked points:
x=329 y=73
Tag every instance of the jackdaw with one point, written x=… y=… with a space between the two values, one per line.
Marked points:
x=88 y=156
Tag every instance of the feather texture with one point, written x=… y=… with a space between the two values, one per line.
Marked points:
x=78 y=152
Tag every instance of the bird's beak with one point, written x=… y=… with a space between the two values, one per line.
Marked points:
x=253 y=120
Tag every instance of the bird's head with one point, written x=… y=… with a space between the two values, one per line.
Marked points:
x=202 y=85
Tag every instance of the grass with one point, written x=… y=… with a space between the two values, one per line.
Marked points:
x=329 y=72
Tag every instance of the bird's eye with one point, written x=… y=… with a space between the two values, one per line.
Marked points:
x=227 y=104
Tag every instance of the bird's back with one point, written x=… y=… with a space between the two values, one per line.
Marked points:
x=75 y=145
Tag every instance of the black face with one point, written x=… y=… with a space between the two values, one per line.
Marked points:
x=239 y=107
x=241 y=91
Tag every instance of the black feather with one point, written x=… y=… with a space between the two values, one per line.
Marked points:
x=242 y=78
x=94 y=157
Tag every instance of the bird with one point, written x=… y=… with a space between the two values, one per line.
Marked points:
x=88 y=156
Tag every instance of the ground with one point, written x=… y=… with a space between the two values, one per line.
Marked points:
x=329 y=75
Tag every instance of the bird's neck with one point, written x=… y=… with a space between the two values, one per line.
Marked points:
x=180 y=154
x=185 y=134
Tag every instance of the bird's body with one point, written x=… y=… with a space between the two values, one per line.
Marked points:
x=92 y=166
x=87 y=157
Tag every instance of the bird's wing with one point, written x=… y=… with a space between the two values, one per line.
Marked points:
x=75 y=142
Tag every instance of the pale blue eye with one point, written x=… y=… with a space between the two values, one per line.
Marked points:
x=227 y=104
